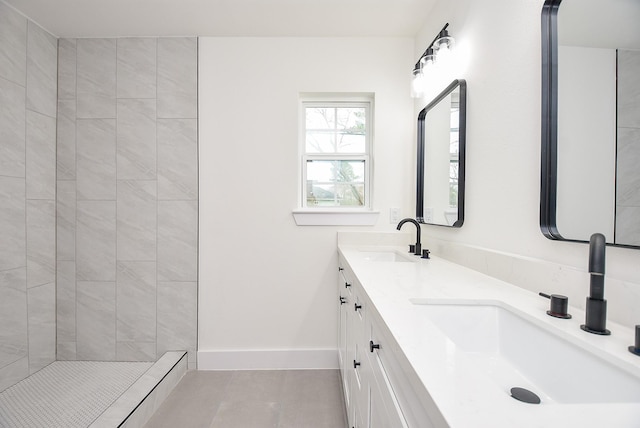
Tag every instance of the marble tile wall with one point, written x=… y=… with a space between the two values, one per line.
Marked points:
x=28 y=74
x=127 y=198
x=628 y=157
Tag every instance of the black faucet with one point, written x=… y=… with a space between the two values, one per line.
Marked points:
x=596 y=308
x=417 y=248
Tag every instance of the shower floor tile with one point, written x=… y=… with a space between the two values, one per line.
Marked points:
x=67 y=394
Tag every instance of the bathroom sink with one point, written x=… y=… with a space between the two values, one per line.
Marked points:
x=517 y=352
x=387 y=256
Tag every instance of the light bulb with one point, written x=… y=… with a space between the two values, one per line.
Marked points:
x=417 y=84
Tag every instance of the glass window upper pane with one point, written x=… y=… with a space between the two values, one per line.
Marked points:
x=335 y=129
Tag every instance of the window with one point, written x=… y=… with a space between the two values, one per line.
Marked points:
x=336 y=146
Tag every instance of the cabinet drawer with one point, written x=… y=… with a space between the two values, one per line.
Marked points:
x=395 y=373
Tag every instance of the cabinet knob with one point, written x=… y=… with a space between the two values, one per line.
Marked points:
x=346 y=285
x=357 y=306
x=342 y=300
x=373 y=346
x=355 y=364
x=340 y=269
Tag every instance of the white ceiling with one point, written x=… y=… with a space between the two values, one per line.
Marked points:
x=121 y=18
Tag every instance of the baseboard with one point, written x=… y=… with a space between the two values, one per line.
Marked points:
x=276 y=359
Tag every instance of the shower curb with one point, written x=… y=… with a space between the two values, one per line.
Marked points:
x=138 y=403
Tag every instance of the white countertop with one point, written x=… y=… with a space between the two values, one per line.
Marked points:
x=465 y=393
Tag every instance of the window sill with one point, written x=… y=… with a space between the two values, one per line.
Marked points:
x=309 y=217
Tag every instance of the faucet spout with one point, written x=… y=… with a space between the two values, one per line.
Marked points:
x=597 y=245
x=418 y=245
x=596 y=306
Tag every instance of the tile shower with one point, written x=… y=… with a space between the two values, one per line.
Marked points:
x=127 y=198
x=98 y=197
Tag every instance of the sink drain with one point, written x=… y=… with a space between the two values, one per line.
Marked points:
x=524 y=395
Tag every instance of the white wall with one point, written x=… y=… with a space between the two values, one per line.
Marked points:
x=503 y=152
x=266 y=284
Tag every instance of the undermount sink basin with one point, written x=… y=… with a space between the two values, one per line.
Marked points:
x=517 y=352
x=387 y=256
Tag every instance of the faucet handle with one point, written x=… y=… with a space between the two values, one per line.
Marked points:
x=559 y=305
x=635 y=349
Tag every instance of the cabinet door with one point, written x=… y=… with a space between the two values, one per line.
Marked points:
x=343 y=305
x=384 y=410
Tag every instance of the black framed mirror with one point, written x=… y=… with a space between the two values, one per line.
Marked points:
x=590 y=180
x=441 y=158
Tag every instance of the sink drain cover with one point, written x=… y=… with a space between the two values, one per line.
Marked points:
x=524 y=395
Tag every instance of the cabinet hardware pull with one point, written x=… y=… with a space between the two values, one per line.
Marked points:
x=340 y=269
x=355 y=364
x=373 y=346
x=342 y=300
x=357 y=306
x=346 y=284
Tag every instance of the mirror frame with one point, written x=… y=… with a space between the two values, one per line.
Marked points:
x=549 y=134
x=462 y=132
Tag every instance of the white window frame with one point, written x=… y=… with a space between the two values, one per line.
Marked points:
x=336 y=215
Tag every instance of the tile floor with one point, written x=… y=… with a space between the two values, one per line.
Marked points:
x=254 y=399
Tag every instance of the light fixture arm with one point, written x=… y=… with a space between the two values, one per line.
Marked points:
x=426 y=52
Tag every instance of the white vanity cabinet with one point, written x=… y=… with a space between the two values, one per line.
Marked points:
x=376 y=380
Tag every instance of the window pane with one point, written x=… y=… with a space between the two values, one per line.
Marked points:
x=320 y=118
x=351 y=194
x=320 y=194
x=320 y=171
x=320 y=142
x=352 y=143
x=351 y=118
x=335 y=183
x=349 y=171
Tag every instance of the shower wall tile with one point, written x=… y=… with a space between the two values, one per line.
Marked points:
x=42 y=70
x=178 y=77
x=177 y=240
x=627 y=227
x=13 y=45
x=66 y=301
x=96 y=159
x=136 y=351
x=66 y=140
x=41 y=156
x=12 y=223
x=628 y=173
x=66 y=351
x=628 y=89
x=14 y=373
x=66 y=220
x=28 y=75
x=177 y=317
x=115 y=161
x=12 y=129
x=177 y=159
x=96 y=320
x=96 y=78
x=136 y=139
x=66 y=69
x=13 y=316
x=41 y=242
x=136 y=302
x=96 y=241
x=42 y=326
x=136 y=221
x=136 y=67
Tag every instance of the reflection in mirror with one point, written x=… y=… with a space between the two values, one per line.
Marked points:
x=441 y=154
x=591 y=120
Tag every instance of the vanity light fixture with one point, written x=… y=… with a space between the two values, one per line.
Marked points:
x=438 y=51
